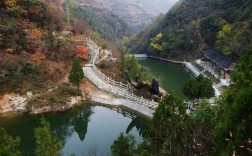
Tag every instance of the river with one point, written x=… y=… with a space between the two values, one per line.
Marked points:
x=88 y=128
x=170 y=76
x=82 y=130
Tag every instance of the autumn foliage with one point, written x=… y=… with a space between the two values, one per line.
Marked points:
x=36 y=33
x=37 y=57
x=10 y=4
x=82 y=52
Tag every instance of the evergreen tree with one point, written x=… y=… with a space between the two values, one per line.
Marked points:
x=8 y=145
x=233 y=130
x=190 y=89
x=122 y=62
x=155 y=86
x=202 y=123
x=123 y=146
x=135 y=68
x=168 y=132
x=200 y=87
x=46 y=143
x=76 y=73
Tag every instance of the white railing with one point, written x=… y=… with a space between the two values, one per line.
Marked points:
x=125 y=87
x=192 y=68
x=121 y=92
x=140 y=55
x=109 y=85
x=95 y=56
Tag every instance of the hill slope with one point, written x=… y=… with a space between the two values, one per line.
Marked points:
x=136 y=13
x=98 y=19
x=37 y=44
x=194 y=25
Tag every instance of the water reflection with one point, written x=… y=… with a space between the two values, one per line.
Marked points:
x=79 y=128
x=136 y=122
x=80 y=122
x=139 y=124
x=170 y=76
x=65 y=124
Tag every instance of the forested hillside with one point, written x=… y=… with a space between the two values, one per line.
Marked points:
x=99 y=19
x=192 y=26
x=138 y=14
x=39 y=39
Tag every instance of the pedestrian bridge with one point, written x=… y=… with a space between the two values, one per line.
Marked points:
x=116 y=88
x=109 y=85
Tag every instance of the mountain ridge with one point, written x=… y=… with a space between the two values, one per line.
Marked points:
x=192 y=26
x=137 y=14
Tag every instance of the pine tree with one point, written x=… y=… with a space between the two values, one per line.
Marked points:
x=233 y=130
x=155 y=86
x=46 y=143
x=200 y=87
x=8 y=145
x=168 y=134
x=135 y=68
x=76 y=73
x=123 y=146
x=122 y=62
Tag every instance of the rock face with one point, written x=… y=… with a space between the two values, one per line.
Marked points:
x=17 y=103
x=12 y=102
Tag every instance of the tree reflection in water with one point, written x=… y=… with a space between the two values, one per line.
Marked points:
x=80 y=122
x=140 y=124
x=65 y=124
x=137 y=121
x=76 y=120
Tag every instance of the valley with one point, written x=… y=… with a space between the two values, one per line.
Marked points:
x=72 y=84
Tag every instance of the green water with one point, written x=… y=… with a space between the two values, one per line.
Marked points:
x=80 y=129
x=170 y=76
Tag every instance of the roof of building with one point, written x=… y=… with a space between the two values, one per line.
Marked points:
x=218 y=58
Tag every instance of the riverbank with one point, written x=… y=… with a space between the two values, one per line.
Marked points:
x=165 y=60
x=58 y=99
x=18 y=103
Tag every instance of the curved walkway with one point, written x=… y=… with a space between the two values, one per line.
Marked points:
x=116 y=88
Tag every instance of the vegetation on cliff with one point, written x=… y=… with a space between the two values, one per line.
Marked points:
x=194 y=25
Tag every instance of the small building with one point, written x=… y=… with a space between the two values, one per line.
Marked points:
x=218 y=61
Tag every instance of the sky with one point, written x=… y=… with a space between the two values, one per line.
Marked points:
x=159 y=6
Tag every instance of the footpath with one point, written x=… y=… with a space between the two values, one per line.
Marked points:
x=122 y=93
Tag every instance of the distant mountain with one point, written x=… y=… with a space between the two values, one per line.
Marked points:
x=157 y=6
x=136 y=13
x=192 y=26
x=98 y=19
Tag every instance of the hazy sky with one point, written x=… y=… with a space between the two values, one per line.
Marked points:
x=158 y=5
x=152 y=6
